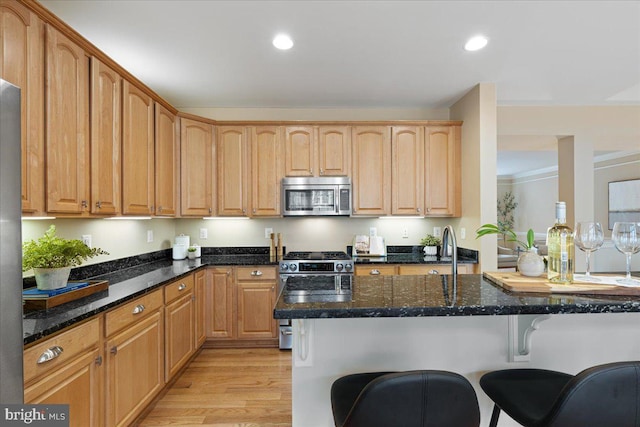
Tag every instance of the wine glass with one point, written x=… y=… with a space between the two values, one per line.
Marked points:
x=589 y=237
x=626 y=237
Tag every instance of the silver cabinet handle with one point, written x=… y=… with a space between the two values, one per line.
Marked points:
x=50 y=354
x=286 y=332
x=138 y=309
x=321 y=171
x=374 y=272
x=434 y=271
x=114 y=350
x=98 y=361
x=256 y=273
x=182 y=287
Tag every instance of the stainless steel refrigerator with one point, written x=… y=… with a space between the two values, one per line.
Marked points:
x=11 y=383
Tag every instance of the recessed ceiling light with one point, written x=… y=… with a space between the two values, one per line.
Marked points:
x=283 y=42
x=476 y=43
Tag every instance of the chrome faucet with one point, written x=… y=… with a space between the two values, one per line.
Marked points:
x=449 y=234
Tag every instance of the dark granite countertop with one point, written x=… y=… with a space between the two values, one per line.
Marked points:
x=128 y=279
x=415 y=255
x=431 y=295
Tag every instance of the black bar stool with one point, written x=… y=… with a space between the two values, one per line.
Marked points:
x=602 y=396
x=407 y=399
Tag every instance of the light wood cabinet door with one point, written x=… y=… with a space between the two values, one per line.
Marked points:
x=134 y=369
x=266 y=170
x=220 y=307
x=232 y=153
x=334 y=150
x=200 y=307
x=421 y=269
x=67 y=118
x=138 y=186
x=78 y=384
x=443 y=171
x=197 y=171
x=371 y=168
x=300 y=151
x=105 y=139
x=375 y=270
x=256 y=299
x=22 y=62
x=179 y=334
x=407 y=170
x=167 y=162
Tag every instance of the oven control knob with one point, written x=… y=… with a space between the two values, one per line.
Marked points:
x=293 y=267
x=348 y=267
x=339 y=267
x=284 y=267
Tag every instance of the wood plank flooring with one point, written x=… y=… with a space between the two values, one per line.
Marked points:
x=229 y=388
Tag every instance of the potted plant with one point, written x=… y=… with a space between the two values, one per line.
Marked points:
x=430 y=243
x=529 y=262
x=191 y=252
x=52 y=257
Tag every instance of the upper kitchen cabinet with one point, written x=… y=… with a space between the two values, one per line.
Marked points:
x=300 y=150
x=266 y=170
x=197 y=168
x=443 y=172
x=67 y=129
x=22 y=52
x=371 y=170
x=407 y=170
x=137 y=152
x=334 y=150
x=232 y=153
x=317 y=151
x=105 y=139
x=167 y=162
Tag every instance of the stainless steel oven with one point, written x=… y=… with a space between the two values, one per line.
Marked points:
x=312 y=277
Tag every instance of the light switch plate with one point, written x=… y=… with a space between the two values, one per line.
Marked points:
x=437 y=231
x=373 y=231
x=203 y=233
x=86 y=239
x=267 y=232
x=149 y=236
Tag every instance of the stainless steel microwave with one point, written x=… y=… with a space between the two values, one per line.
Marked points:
x=322 y=196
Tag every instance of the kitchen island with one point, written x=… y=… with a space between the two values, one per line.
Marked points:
x=416 y=322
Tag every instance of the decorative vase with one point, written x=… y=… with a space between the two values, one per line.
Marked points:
x=430 y=250
x=530 y=263
x=51 y=278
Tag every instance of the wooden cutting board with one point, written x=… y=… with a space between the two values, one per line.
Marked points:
x=516 y=282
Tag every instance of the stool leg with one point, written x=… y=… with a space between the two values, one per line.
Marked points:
x=494 y=416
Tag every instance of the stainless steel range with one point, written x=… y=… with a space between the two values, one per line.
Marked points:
x=313 y=277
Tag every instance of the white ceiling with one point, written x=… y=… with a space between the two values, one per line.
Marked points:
x=368 y=54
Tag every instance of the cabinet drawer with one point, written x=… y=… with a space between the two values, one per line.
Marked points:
x=46 y=356
x=256 y=273
x=375 y=270
x=178 y=288
x=133 y=311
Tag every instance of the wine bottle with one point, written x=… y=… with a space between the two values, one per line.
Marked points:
x=561 y=248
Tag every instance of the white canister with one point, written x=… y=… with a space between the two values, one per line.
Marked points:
x=179 y=251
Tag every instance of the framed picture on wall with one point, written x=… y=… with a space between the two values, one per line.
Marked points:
x=624 y=201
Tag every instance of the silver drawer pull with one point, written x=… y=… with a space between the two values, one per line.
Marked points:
x=182 y=287
x=286 y=332
x=138 y=309
x=374 y=272
x=50 y=354
x=256 y=273
x=434 y=271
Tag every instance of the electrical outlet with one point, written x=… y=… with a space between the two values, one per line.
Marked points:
x=437 y=231
x=149 y=236
x=203 y=233
x=86 y=239
x=373 y=231
x=405 y=233
x=267 y=232
x=463 y=233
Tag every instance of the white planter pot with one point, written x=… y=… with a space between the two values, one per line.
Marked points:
x=191 y=255
x=430 y=250
x=52 y=278
x=530 y=263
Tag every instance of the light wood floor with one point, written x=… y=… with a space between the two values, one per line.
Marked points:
x=229 y=387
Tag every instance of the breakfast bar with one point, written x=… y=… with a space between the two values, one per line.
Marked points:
x=397 y=323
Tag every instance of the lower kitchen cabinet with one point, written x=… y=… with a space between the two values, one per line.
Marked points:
x=199 y=285
x=256 y=292
x=135 y=357
x=68 y=369
x=179 y=325
x=219 y=303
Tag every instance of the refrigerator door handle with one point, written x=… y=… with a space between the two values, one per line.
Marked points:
x=50 y=354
